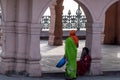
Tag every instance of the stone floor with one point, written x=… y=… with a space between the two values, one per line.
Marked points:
x=52 y=54
x=111 y=57
x=17 y=77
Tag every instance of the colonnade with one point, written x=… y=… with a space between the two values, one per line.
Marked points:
x=21 y=32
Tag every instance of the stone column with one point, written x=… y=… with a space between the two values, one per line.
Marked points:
x=21 y=42
x=21 y=34
x=8 y=48
x=93 y=42
x=8 y=52
x=55 y=32
x=33 y=67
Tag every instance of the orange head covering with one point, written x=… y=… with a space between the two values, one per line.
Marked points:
x=74 y=37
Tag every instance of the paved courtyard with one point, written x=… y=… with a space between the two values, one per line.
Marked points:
x=3 y=77
x=52 y=54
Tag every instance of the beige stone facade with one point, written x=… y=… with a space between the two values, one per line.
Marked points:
x=21 y=32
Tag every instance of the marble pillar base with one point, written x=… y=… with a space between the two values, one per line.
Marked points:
x=95 y=68
x=33 y=68
x=7 y=66
x=20 y=66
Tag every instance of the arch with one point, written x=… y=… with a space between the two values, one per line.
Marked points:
x=111 y=2
x=85 y=8
x=44 y=9
x=86 y=11
x=105 y=9
x=111 y=24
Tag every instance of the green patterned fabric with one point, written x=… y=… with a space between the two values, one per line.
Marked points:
x=71 y=55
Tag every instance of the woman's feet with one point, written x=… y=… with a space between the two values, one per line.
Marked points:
x=70 y=79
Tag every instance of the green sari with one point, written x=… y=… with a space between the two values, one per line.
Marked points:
x=71 y=55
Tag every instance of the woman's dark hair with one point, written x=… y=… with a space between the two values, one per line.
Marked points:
x=84 y=53
x=87 y=50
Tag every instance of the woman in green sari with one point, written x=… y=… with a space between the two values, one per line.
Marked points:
x=71 y=44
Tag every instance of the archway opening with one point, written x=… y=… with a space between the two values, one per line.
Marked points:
x=110 y=47
x=52 y=54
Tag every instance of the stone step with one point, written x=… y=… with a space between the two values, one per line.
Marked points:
x=58 y=74
x=108 y=73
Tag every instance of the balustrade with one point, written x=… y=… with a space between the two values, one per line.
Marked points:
x=69 y=21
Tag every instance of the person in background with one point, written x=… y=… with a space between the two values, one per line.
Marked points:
x=83 y=65
x=71 y=44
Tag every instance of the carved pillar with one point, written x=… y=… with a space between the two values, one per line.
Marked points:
x=21 y=34
x=8 y=53
x=8 y=48
x=33 y=50
x=93 y=42
x=55 y=32
x=21 y=39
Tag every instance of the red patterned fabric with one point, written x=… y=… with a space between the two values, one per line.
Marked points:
x=83 y=65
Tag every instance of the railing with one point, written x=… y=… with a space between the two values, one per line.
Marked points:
x=68 y=21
